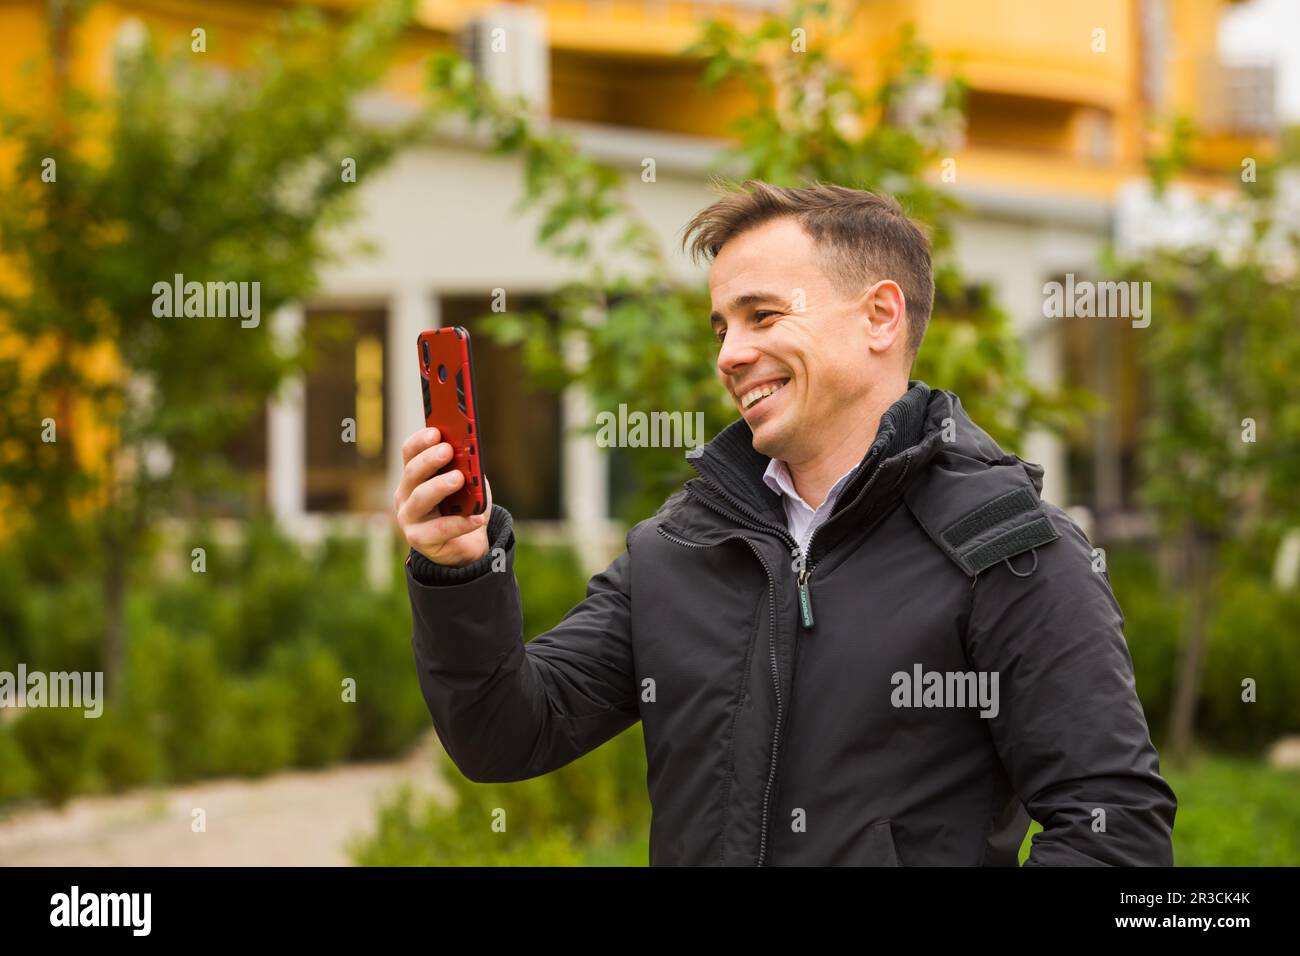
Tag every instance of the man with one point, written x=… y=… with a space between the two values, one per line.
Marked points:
x=858 y=636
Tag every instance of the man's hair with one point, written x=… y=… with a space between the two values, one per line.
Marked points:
x=863 y=237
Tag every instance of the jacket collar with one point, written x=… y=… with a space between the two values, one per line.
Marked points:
x=977 y=502
x=730 y=462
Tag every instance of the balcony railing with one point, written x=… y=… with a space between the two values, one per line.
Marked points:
x=1237 y=98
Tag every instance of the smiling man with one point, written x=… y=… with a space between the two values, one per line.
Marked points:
x=858 y=636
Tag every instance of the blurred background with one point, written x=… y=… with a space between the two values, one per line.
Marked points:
x=199 y=506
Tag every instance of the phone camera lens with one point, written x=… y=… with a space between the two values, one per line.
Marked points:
x=442 y=373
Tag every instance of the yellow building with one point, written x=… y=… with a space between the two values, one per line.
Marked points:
x=1063 y=100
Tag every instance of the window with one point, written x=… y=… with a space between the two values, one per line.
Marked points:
x=522 y=441
x=345 y=402
x=1101 y=356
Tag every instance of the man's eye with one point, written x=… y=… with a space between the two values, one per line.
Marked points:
x=759 y=316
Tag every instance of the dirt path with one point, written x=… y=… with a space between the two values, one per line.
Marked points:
x=300 y=818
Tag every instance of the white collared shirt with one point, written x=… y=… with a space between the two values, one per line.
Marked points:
x=801 y=519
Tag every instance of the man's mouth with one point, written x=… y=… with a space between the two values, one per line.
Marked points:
x=760 y=392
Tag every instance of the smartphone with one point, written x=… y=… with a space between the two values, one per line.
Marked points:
x=451 y=406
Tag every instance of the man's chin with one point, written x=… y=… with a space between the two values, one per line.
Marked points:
x=770 y=439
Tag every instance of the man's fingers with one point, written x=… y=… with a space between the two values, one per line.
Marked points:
x=423 y=466
x=422 y=490
x=430 y=536
x=427 y=496
x=418 y=442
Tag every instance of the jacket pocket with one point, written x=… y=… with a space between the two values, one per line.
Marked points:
x=880 y=849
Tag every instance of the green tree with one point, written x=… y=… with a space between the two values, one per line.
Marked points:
x=641 y=332
x=179 y=169
x=1220 y=452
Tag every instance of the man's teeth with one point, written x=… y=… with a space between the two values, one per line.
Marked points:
x=753 y=395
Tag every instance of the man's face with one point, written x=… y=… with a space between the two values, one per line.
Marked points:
x=785 y=327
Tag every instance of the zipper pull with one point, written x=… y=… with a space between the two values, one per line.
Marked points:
x=805 y=600
x=805 y=592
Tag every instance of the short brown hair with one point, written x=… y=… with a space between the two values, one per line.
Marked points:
x=864 y=236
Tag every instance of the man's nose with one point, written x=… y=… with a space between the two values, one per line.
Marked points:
x=736 y=352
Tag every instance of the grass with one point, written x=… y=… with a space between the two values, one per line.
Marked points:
x=1231 y=812
x=633 y=852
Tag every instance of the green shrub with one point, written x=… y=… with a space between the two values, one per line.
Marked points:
x=239 y=669
x=433 y=835
x=17 y=777
x=15 y=607
x=551 y=582
x=1152 y=628
x=66 y=627
x=255 y=728
x=591 y=805
x=272 y=601
x=188 y=606
x=124 y=756
x=175 y=691
x=633 y=851
x=57 y=743
x=1254 y=634
x=268 y=598
x=290 y=625
x=323 y=723
x=370 y=636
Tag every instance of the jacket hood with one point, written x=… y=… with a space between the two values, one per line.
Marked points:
x=951 y=441
x=978 y=502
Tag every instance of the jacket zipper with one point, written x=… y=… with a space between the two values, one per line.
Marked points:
x=776 y=685
x=758 y=524
x=806 y=618
x=805 y=606
x=805 y=596
x=776 y=677
x=805 y=587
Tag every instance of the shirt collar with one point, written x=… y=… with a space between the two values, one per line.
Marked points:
x=730 y=460
x=777 y=477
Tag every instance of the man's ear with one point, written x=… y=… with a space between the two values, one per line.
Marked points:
x=885 y=309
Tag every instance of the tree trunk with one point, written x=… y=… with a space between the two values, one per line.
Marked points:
x=1197 y=583
x=114 y=584
x=124 y=525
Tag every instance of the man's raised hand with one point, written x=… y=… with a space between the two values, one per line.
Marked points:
x=451 y=540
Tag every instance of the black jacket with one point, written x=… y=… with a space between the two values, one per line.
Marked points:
x=789 y=711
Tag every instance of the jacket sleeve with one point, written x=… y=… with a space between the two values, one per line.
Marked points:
x=1070 y=729
x=504 y=709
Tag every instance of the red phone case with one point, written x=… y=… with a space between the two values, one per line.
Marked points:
x=447 y=379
